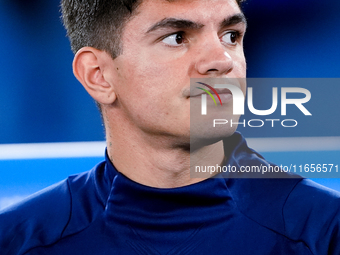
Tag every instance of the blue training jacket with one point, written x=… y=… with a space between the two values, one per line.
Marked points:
x=103 y=212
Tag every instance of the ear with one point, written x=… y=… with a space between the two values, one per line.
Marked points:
x=88 y=67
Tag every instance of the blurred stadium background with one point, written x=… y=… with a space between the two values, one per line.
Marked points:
x=42 y=103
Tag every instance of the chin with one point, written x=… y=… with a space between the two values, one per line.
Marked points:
x=200 y=137
x=204 y=130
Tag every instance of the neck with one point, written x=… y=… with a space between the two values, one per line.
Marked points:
x=159 y=161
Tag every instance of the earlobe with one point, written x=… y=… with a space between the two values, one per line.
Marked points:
x=88 y=69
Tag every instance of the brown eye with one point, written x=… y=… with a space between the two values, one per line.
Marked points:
x=179 y=38
x=230 y=38
x=233 y=37
x=174 y=39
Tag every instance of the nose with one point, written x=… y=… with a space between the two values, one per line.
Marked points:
x=214 y=59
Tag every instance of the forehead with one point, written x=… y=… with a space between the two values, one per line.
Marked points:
x=179 y=3
x=204 y=11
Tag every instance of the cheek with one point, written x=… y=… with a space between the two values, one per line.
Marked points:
x=240 y=61
x=150 y=73
x=151 y=88
x=146 y=71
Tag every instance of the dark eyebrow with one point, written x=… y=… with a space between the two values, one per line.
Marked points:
x=188 y=24
x=176 y=24
x=233 y=20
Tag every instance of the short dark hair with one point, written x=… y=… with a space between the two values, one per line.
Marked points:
x=98 y=23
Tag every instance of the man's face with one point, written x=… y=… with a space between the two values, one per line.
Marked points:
x=164 y=45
